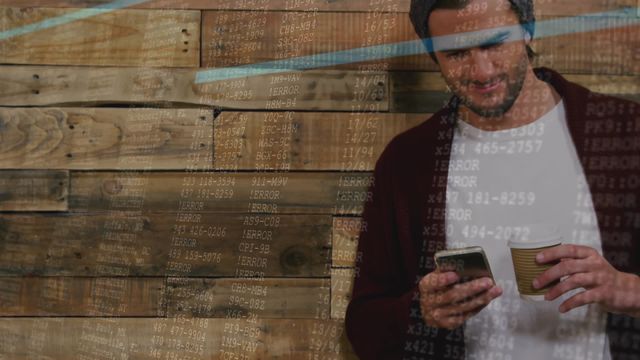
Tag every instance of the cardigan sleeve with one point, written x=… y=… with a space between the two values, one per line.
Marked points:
x=377 y=317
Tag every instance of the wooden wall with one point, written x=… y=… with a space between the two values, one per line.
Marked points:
x=140 y=222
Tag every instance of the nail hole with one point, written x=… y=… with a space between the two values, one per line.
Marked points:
x=186 y=43
x=69 y=155
x=71 y=127
x=36 y=76
x=185 y=50
x=35 y=92
x=203 y=118
x=380 y=83
x=184 y=31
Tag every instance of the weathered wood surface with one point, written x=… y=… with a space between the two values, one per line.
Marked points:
x=304 y=140
x=59 y=86
x=183 y=244
x=268 y=298
x=99 y=138
x=542 y=7
x=425 y=92
x=614 y=51
x=167 y=38
x=346 y=231
x=234 y=38
x=33 y=190
x=81 y=296
x=207 y=192
x=341 y=289
x=143 y=338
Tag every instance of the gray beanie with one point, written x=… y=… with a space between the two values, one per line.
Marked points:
x=421 y=9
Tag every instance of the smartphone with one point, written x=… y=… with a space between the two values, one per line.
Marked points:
x=470 y=262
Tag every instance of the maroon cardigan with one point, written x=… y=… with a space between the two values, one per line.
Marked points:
x=404 y=223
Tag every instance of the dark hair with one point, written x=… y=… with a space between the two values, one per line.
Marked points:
x=421 y=9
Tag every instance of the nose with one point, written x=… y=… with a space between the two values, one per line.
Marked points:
x=483 y=68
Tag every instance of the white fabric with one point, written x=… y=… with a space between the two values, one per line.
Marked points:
x=500 y=181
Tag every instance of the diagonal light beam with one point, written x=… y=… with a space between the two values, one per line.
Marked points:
x=67 y=18
x=546 y=28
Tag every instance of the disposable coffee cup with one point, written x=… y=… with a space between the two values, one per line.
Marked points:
x=524 y=249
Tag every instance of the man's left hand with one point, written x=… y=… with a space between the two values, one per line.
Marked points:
x=584 y=267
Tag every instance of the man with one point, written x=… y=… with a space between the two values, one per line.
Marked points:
x=514 y=146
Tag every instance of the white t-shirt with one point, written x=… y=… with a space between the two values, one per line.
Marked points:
x=526 y=175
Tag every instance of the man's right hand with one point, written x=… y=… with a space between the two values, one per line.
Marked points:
x=445 y=304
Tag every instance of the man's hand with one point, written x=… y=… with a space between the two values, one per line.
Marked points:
x=445 y=305
x=584 y=267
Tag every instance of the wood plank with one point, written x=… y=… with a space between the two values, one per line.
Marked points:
x=154 y=244
x=346 y=231
x=81 y=296
x=234 y=38
x=305 y=141
x=294 y=192
x=298 y=298
x=33 y=190
x=144 y=338
x=341 y=288
x=324 y=90
x=344 y=246
x=105 y=139
x=425 y=92
x=308 y=5
x=542 y=7
x=618 y=49
x=167 y=38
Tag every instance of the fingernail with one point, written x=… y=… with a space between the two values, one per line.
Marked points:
x=536 y=283
x=540 y=257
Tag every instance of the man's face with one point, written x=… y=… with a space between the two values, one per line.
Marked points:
x=486 y=67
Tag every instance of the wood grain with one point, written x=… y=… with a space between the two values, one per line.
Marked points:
x=105 y=139
x=234 y=38
x=122 y=244
x=269 y=298
x=140 y=338
x=305 y=141
x=329 y=90
x=346 y=231
x=294 y=192
x=425 y=92
x=33 y=190
x=542 y=7
x=167 y=38
x=341 y=288
x=81 y=296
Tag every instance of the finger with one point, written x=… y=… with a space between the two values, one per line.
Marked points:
x=474 y=305
x=580 y=280
x=457 y=319
x=460 y=292
x=564 y=251
x=436 y=281
x=580 y=299
x=561 y=269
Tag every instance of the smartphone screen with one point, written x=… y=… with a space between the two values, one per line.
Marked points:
x=469 y=265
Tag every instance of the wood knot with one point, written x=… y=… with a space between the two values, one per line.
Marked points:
x=294 y=258
x=112 y=187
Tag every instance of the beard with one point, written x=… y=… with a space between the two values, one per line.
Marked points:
x=514 y=84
